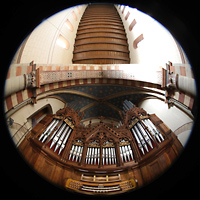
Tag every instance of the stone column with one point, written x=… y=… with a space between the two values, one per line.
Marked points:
x=186 y=85
x=22 y=82
x=176 y=81
x=84 y=152
x=15 y=84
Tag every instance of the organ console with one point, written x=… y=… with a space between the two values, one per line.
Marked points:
x=123 y=149
x=100 y=188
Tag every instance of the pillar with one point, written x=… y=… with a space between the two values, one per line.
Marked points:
x=135 y=150
x=84 y=152
x=186 y=85
x=22 y=82
x=176 y=81
x=119 y=159
x=101 y=153
x=14 y=85
x=67 y=149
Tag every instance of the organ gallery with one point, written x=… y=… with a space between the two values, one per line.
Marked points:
x=101 y=159
x=100 y=100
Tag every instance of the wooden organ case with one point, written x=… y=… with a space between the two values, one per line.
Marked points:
x=101 y=159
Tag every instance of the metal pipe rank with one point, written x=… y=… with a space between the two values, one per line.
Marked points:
x=154 y=131
x=141 y=138
x=55 y=133
x=146 y=137
x=138 y=141
x=49 y=130
x=76 y=153
x=64 y=141
x=55 y=139
x=61 y=138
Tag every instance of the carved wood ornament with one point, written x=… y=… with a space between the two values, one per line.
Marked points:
x=101 y=145
x=139 y=140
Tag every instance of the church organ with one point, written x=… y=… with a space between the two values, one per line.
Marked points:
x=139 y=148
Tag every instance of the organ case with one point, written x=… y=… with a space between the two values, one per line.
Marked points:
x=140 y=147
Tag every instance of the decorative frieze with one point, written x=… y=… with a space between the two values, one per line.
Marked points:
x=128 y=72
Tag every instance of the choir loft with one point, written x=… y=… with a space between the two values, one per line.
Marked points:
x=92 y=107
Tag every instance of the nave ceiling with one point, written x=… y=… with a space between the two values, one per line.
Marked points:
x=100 y=100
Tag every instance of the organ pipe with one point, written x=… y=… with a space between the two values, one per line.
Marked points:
x=61 y=138
x=47 y=133
x=98 y=156
x=76 y=153
x=138 y=141
x=93 y=156
x=109 y=156
x=144 y=132
x=131 y=152
x=71 y=152
x=64 y=142
x=156 y=132
x=146 y=137
x=55 y=139
x=141 y=139
x=127 y=152
x=121 y=153
x=80 y=154
x=54 y=131
x=124 y=153
x=89 y=157
x=47 y=129
x=153 y=132
x=86 y=159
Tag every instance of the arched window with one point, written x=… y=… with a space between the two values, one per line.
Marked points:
x=133 y=23
x=137 y=41
x=78 y=10
x=74 y=15
x=62 y=42
x=69 y=25
x=127 y=15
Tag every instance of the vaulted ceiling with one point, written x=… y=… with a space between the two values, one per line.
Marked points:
x=100 y=100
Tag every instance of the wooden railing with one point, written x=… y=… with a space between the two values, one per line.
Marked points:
x=99 y=179
x=21 y=132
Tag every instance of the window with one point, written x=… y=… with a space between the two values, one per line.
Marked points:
x=127 y=15
x=137 y=41
x=74 y=15
x=69 y=25
x=62 y=42
x=132 y=25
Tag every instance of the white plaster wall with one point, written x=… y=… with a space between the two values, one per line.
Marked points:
x=22 y=115
x=41 y=45
x=184 y=136
x=158 y=45
x=172 y=117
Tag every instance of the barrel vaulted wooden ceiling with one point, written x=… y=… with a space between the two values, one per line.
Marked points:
x=101 y=37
